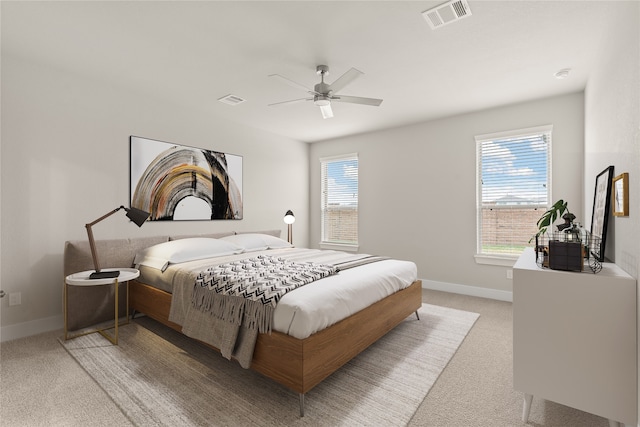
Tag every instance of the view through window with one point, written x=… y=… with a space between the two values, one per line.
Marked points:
x=339 y=178
x=513 y=188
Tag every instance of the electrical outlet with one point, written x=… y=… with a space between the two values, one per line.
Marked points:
x=15 y=298
x=509 y=274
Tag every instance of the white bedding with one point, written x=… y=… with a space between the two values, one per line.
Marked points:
x=320 y=304
x=312 y=307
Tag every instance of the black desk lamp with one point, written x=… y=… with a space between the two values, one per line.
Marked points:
x=136 y=215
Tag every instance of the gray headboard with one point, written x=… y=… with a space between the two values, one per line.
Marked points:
x=90 y=305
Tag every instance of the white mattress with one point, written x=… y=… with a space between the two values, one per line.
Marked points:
x=320 y=304
x=315 y=306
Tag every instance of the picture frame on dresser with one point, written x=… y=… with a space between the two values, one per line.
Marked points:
x=620 y=191
x=600 y=213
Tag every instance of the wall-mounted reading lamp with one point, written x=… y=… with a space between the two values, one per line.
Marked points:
x=289 y=219
x=136 y=215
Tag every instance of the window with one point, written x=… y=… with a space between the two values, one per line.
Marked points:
x=339 y=204
x=513 y=188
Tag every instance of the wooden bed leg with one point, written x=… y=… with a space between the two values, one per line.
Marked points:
x=417 y=315
x=301 y=398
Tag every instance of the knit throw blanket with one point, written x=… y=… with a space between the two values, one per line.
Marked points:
x=245 y=292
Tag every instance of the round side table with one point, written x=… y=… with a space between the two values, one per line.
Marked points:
x=82 y=279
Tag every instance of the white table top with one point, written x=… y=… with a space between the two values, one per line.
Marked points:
x=82 y=278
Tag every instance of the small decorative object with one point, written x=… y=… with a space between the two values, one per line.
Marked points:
x=568 y=221
x=568 y=247
x=621 y=195
x=600 y=215
x=567 y=252
x=566 y=256
x=546 y=220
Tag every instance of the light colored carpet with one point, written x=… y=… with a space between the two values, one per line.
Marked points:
x=475 y=389
x=159 y=377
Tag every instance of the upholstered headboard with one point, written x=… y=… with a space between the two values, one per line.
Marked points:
x=90 y=305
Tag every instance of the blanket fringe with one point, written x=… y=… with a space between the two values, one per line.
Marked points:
x=258 y=316
x=224 y=307
x=234 y=310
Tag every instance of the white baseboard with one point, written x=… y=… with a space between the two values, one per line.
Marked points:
x=34 y=327
x=468 y=290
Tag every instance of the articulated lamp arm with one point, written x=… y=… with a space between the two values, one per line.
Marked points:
x=136 y=215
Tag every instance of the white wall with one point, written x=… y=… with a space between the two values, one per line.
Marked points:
x=417 y=189
x=612 y=132
x=65 y=162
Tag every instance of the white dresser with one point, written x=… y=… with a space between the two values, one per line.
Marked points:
x=574 y=338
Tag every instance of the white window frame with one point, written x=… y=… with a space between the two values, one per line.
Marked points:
x=495 y=259
x=333 y=244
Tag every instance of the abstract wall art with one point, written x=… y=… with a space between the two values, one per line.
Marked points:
x=175 y=182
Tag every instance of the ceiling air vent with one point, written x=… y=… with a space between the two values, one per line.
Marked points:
x=447 y=13
x=231 y=100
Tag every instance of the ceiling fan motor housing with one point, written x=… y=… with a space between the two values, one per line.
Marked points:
x=322 y=88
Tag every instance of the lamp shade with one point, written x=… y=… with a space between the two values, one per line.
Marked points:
x=289 y=218
x=137 y=216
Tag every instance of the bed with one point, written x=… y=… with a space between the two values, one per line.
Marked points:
x=298 y=358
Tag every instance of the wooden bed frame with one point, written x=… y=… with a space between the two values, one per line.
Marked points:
x=301 y=364
x=298 y=364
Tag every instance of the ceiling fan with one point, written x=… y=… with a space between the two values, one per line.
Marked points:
x=324 y=93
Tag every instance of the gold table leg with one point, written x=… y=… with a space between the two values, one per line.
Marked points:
x=112 y=338
x=64 y=308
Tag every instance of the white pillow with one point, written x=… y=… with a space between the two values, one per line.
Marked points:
x=176 y=251
x=251 y=242
x=274 y=242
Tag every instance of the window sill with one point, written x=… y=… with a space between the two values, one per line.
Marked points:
x=339 y=246
x=505 y=261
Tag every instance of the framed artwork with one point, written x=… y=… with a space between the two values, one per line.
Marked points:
x=600 y=215
x=175 y=182
x=621 y=195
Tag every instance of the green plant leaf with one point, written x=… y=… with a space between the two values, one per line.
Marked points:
x=549 y=217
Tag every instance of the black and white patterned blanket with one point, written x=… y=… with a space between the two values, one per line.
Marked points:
x=246 y=291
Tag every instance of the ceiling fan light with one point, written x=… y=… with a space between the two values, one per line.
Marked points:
x=326 y=111
x=321 y=101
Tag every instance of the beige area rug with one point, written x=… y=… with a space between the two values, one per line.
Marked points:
x=159 y=377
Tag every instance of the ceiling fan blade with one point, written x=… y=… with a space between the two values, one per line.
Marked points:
x=345 y=79
x=326 y=111
x=293 y=101
x=294 y=84
x=357 y=100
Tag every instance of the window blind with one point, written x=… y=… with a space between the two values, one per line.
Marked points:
x=513 y=188
x=339 y=204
